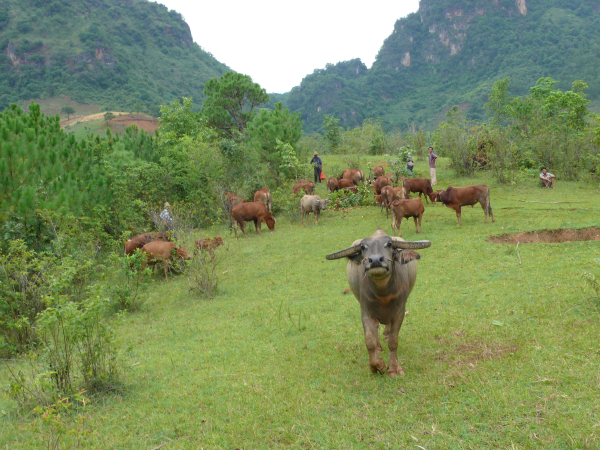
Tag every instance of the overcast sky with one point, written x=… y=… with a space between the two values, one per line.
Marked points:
x=278 y=43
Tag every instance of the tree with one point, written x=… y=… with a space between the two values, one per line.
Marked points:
x=230 y=103
x=68 y=110
x=270 y=127
x=108 y=116
x=333 y=132
x=137 y=107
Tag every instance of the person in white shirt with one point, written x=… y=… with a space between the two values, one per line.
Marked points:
x=547 y=178
x=166 y=217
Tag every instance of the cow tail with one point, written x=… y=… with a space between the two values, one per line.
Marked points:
x=489 y=203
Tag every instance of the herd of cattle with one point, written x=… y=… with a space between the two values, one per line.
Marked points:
x=381 y=269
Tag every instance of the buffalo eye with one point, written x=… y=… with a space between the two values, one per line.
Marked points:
x=362 y=247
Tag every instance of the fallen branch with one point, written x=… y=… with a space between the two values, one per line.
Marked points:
x=533 y=201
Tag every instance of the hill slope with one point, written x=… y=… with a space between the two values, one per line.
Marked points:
x=451 y=52
x=114 y=53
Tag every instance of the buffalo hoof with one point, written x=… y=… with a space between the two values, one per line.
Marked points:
x=394 y=372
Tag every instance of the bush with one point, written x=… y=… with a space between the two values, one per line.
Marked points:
x=130 y=282
x=202 y=273
x=347 y=199
x=286 y=202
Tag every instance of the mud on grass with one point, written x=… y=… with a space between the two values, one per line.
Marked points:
x=548 y=236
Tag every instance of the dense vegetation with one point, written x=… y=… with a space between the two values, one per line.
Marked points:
x=450 y=53
x=108 y=52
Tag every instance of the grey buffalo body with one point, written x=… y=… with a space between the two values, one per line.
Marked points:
x=312 y=204
x=382 y=272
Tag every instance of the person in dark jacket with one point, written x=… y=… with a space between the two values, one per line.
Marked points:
x=318 y=165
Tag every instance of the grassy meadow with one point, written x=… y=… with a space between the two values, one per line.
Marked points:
x=499 y=346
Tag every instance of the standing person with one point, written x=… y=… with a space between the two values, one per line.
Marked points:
x=410 y=164
x=547 y=178
x=318 y=165
x=432 y=158
x=167 y=220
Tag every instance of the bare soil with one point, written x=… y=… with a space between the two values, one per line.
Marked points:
x=548 y=236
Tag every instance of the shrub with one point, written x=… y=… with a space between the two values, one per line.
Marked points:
x=346 y=199
x=202 y=273
x=130 y=282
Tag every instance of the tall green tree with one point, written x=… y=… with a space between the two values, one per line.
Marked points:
x=68 y=110
x=271 y=127
x=230 y=103
x=41 y=167
x=333 y=133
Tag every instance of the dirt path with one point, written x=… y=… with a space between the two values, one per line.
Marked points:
x=91 y=118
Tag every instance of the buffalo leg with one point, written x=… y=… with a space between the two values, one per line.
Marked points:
x=316 y=219
x=393 y=365
x=302 y=218
x=370 y=326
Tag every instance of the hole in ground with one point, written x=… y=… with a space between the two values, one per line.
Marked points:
x=548 y=236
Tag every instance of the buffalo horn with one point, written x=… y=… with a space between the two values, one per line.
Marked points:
x=413 y=245
x=343 y=253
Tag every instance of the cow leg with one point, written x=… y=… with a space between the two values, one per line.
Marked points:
x=166 y=268
x=420 y=217
x=393 y=365
x=458 y=215
x=371 y=326
x=393 y=225
x=302 y=218
x=259 y=225
x=416 y=225
x=235 y=226
x=398 y=224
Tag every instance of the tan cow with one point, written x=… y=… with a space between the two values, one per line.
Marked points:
x=159 y=251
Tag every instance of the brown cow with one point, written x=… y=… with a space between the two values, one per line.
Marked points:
x=456 y=198
x=379 y=201
x=307 y=186
x=209 y=245
x=402 y=208
x=388 y=195
x=163 y=251
x=263 y=194
x=354 y=175
x=420 y=185
x=347 y=184
x=378 y=171
x=332 y=185
x=140 y=240
x=251 y=211
x=381 y=182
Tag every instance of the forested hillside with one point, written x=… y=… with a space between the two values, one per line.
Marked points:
x=451 y=52
x=114 y=53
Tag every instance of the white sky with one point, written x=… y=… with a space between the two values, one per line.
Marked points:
x=278 y=43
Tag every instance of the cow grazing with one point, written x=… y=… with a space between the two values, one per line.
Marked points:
x=347 y=184
x=382 y=272
x=159 y=251
x=264 y=195
x=388 y=195
x=403 y=208
x=332 y=185
x=312 y=204
x=420 y=185
x=379 y=201
x=380 y=183
x=140 y=240
x=209 y=245
x=378 y=171
x=251 y=211
x=307 y=186
x=456 y=198
x=354 y=175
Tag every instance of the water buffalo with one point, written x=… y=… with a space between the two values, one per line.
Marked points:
x=264 y=194
x=164 y=252
x=251 y=211
x=312 y=204
x=403 y=208
x=381 y=273
x=306 y=185
x=456 y=198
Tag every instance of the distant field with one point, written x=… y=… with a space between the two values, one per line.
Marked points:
x=97 y=125
x=499 y=346
x=52 y=107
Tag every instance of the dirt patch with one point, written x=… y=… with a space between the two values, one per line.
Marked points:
x=469 y=353
x=548 y=236
x=141 y=121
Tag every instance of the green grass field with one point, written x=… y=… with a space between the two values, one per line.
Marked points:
x=499 y=347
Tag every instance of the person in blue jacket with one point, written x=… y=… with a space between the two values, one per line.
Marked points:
x=318 y=165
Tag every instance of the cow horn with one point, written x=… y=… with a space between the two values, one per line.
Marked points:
x=413 y=245
x=343 y=253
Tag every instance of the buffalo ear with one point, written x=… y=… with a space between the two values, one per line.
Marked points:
x=406 y=256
